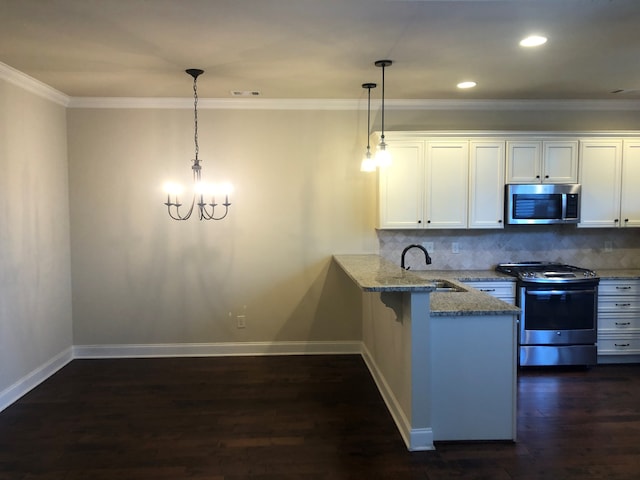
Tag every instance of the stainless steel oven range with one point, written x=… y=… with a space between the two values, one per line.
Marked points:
x=559 y=313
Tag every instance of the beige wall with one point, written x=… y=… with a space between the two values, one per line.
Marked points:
x=35 y=282
x=141 y=278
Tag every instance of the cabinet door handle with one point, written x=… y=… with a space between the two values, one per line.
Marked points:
x=487 y=289
x=615 y=221
x=622 y=324
x=428 y=221
x=546 y=176
x=626 y=219
x=419 y=221
x=500 y=221
x=622 y=344
x=623 y=304
x=625 y=287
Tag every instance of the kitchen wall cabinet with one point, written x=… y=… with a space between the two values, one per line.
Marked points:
x=446 y=184
x=425 y=186
x=609 y=175
x=546 y=161
x=630 y=193
x=401 y=187
x=486 y=184
x=619 y=320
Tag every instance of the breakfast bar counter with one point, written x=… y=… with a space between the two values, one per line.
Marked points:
x=442 y=354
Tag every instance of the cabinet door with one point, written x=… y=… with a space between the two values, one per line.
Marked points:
x=524 y=162
x=400 y=187
x=560 y=162
x=447 y=176
x=600 y=175
x=486 y=184
x=630 y=191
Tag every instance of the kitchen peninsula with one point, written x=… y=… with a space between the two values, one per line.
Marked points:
x=442 y=354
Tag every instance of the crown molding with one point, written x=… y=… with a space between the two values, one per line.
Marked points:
x=216 y=103
x=37 y=87
x=30 y=84
x=353 y=104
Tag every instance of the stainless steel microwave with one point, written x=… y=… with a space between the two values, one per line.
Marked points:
x=544 y=204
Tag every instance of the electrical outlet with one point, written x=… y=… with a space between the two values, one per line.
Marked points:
x=241 y=321
x=455 y=247
x=608 y=246
x=429 y=246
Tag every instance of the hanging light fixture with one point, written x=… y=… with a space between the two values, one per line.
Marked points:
x=368 y=163
x=383 y=157
x=206 y=210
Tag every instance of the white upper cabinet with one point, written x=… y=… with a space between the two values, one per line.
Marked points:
x=425 y=186
x=486 y=184
x=545 y=161
x=446 y=196
x=630 y=188
x=401 y=186
x=600 y=177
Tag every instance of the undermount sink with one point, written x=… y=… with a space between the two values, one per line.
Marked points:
x=447 y=286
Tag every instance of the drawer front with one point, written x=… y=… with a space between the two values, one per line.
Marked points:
x=618 y=304
x=497 y=289
x=619 y=323
x=619 y=287
x=619 y=345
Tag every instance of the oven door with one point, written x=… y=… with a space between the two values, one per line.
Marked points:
x=559 y=314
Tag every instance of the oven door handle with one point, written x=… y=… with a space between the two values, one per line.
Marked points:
x=559 y=292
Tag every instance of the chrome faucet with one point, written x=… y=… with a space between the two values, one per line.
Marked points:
x=426 y=255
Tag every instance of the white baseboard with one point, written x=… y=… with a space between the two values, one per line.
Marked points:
x=415 y=439
x=216 y=349
x=34 y=378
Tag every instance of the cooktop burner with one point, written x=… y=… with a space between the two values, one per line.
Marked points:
x=550 y=272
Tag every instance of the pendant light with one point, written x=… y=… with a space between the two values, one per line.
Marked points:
x=368 y=163
x=206 y=210
x=383 y=157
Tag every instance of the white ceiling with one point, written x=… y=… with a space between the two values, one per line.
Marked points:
x=325 y=49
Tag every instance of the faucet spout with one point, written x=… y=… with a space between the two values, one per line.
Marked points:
x=427 y=258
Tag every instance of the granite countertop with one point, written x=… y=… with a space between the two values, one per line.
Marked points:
x=373 y=273
x=619 y=274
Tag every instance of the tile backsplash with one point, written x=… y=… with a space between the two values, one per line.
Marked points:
x=482 y=249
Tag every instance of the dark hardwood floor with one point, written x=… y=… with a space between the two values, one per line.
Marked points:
x=308 y=417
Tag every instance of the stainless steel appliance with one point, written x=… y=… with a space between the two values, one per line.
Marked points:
x=559 y=307
x=542 y=203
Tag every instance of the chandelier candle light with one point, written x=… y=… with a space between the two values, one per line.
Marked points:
x=206 y=210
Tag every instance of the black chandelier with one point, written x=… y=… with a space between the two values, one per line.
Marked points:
x=201 y=190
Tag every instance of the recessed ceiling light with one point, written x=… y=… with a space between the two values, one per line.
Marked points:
x=467 y=84
x=533 y=41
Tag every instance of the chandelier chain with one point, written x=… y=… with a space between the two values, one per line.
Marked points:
x=195 y=116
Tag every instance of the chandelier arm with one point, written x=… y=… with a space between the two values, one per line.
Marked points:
x=204 y=212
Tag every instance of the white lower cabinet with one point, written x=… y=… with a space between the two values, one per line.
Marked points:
x=503 y=290
x=619 y=320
